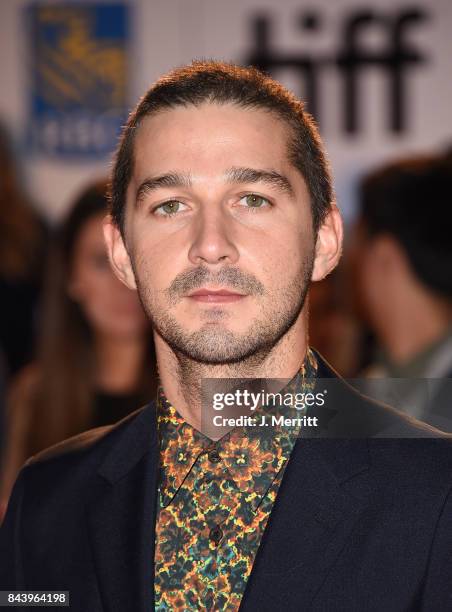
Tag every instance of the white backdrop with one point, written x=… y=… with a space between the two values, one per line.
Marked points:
x=172 y=32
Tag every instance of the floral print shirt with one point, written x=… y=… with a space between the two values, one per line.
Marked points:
x=214 y=502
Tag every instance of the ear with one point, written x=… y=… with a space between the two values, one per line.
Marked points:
x=117 y=253
x=328 y=246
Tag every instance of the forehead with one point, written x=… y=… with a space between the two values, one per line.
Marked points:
x=209 y=138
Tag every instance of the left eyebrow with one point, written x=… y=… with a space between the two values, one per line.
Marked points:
x=252 y=175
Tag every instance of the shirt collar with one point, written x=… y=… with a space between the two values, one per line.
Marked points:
x=252 y=460
x=180 y=446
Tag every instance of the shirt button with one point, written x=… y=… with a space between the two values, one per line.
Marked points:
x=214 y=456
x=216 y=533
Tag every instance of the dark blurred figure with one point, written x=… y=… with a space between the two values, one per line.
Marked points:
x=95 y=361
x=333 y=330
x=2 y=403
x=22 y=239
x=402 y=257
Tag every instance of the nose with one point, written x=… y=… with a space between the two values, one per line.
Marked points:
x=213 y=239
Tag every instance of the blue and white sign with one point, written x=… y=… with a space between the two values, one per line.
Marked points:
x=79 y=77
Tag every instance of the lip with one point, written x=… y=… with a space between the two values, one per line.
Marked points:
x=215 y=295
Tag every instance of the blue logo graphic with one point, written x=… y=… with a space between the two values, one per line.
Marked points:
x=79 y=77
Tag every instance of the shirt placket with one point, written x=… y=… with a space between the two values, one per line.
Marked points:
x=209 y=490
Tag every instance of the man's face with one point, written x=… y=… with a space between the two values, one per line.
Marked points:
x=215 y=206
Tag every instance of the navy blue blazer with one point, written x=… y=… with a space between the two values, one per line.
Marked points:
x=361 y=523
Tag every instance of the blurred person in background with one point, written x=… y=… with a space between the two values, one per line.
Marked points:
x=402 y=258
x=333 y=330
x=95 y=355
x=2 y=402
x=22 y=238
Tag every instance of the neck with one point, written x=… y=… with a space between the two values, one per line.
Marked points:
x=181 y=376
x=411 y=324
x=119 y=361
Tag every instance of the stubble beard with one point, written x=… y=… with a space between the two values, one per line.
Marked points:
x=214 y=344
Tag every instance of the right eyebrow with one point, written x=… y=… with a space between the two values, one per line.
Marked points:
x=170 y=179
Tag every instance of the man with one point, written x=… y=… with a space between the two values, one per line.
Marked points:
x=222 y=213
x=403 y=260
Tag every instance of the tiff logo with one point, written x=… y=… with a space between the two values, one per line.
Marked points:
x=350 y=60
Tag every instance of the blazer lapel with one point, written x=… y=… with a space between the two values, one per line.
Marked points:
x=121 y=518
x=311 y=520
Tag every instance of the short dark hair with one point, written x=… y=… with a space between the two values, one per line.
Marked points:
x=222 y=83
x=410 y=200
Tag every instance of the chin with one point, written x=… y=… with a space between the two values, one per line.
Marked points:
x=216 y=358
x=215 y=346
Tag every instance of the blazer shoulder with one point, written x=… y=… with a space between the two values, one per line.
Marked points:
x=349 y=413
x=95 y=441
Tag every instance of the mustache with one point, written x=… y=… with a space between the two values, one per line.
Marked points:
x=228 y=278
